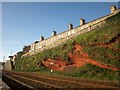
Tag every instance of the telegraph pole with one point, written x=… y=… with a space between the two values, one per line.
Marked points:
x=11 y=53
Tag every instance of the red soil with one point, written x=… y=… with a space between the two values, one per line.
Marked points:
x=79 y=59
x=84 y=59
x=54 y=64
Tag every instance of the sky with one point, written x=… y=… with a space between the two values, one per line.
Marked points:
x=24 y=22
x=60 y=0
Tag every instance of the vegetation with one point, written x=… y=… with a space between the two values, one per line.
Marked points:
x=94 y=72
x=101 y=44
x=26 y=49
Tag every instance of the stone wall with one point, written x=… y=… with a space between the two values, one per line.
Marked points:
x=56 y=40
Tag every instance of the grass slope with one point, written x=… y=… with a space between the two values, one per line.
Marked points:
x=102 y=44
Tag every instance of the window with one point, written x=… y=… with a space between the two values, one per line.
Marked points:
x=51 y=39
x=62 y=35
x=68 y=33
x=72 y=32
x=86 y=26
x=59 y=37
x=82 y=28
x=40 y=46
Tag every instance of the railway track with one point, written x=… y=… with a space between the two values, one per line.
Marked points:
x=29 y=83
x=37 y=81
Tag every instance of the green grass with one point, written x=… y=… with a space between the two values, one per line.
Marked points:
x=91 y=43
x=94 y=72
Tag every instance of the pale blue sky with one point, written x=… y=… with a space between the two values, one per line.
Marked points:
x=23 y=23
x=0 y=31
x=60 y=0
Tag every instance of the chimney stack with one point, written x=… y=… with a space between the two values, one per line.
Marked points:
x=54 y=33
x=113 y=8
x=82 y=21
x=41 y=38
x=70 y=26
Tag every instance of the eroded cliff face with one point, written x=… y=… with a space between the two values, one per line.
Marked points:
x=54 y=64
x=93 y=54
x=78 y=59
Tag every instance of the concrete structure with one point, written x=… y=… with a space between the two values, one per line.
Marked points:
x=12 y=59
x=113 y=8
x=70 y=26
x=82 y=21
x=34 y=45
x=7 y=66
x=54 y=33
x=41 y=38
x=58 y=39
x=1 y=66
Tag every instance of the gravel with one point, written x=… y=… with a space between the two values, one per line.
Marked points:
x=3 y=85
